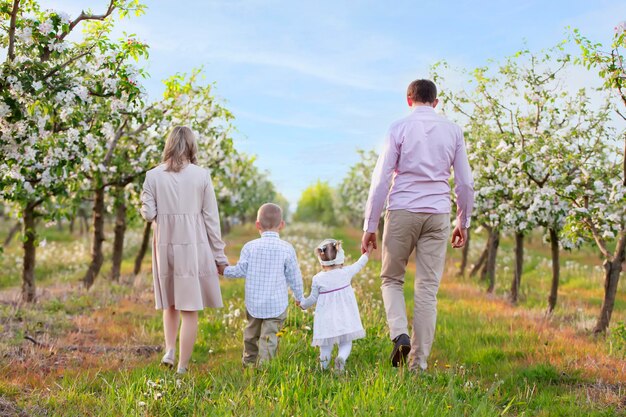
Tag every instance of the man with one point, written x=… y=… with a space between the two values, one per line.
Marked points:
x=418 y=154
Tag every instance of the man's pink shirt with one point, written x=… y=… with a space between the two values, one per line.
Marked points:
x=419 y=152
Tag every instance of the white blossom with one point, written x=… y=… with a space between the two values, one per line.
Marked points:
x=65 y=17
x=5 y=110
x=25 y=35
x=46 y=27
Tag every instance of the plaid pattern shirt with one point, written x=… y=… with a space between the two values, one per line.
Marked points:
x=269 y=265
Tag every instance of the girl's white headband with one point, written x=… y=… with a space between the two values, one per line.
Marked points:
x=339 y=259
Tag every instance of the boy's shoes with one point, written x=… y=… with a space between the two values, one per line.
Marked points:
x=169 y=358
x=340 y=365
x=401 y=349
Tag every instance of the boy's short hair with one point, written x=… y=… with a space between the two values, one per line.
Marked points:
x=422 y=91
x=269 y=216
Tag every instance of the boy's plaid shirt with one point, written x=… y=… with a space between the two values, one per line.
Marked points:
x=269 y=265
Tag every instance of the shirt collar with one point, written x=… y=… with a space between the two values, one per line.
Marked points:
x=423 y=109
x=269 y=234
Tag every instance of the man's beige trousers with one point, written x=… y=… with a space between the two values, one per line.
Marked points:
x=428 y=234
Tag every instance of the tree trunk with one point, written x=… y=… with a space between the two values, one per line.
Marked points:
x=519 y=264
x=16 y=227
x=556 y=270
x=465 y=254
x=30 y=238
x=120 y=231
x=225 y=225
x=490 y=266
x=97 y=257
x=484 y=268
x=82 y=221
x=613 y=270
x=481 y=261
x=72 y=222
x=143 y=248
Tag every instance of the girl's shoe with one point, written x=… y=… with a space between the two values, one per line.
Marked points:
x=181 y=371
x=340 y=365
x=169 y=358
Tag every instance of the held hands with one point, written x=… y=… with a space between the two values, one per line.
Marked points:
x=459 y=237
x=368 y=242
x=221 y=268
x=298 y=304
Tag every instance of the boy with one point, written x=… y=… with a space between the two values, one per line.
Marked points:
x=269 y=265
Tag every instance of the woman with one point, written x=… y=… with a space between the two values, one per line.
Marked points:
x=179 y=197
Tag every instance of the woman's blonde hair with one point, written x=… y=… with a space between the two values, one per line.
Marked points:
x=180 y=148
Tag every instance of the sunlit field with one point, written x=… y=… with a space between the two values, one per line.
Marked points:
x=97 y=352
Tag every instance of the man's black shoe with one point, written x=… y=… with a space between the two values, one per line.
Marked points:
x=401 y=349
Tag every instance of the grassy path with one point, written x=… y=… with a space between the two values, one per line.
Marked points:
x=97 y=355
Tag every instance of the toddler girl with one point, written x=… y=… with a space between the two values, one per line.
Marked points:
x=337 y=319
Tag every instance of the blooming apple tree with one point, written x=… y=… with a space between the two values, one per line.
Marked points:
x=44 y=106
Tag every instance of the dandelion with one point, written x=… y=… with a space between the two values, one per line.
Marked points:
x=141 y=404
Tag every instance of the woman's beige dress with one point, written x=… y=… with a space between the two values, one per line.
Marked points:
x=187 y=239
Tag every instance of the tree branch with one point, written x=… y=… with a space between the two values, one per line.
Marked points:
x=118 y=135
x=16 y=8
x=596 y=236
x=122 y=182
x=66 y=63
x=83 y=16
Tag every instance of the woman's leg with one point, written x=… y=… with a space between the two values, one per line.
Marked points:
x=188 y=332
x=325 y=352
x=171 y=320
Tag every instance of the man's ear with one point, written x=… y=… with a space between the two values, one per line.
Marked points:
x=281 y=225
x=435 y=103
x=409 y=101
x=258 y=225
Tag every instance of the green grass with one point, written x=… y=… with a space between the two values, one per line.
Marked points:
x=489 y=359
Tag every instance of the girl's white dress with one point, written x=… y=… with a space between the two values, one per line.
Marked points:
x=337 y=318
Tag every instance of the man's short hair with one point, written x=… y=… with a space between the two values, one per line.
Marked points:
x=269 y=216
x=422 y=91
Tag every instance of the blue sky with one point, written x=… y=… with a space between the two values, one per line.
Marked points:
x=310 y=82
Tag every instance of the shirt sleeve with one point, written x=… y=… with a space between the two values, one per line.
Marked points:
x=312 y=298
x=353 y=269
x=293 y=275
x=463 y=184
x=211 y=216
x=381 y=179
x=241 y=269
x=148 y=201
